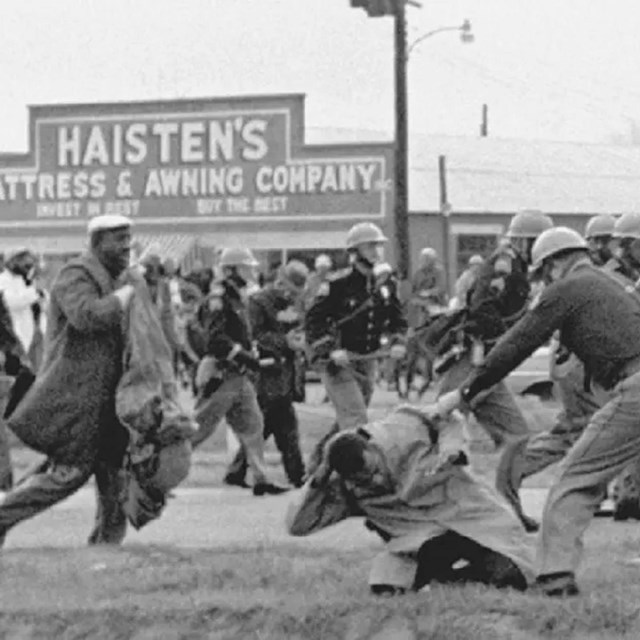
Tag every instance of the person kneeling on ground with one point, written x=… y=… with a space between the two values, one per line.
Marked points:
x=409 y=478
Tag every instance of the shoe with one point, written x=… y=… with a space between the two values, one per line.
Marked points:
x=556 y=585
x=268 y=489
x=603 y=512
x=235 y=481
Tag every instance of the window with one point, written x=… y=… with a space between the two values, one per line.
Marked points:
x=469 y=244
x=467 y=238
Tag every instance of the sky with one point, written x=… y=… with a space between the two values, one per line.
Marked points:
x=548 y=69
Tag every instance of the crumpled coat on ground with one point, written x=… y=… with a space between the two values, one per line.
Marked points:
x=424 y=505
x=69 y=412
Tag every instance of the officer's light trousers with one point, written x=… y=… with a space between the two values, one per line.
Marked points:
x=350 y=390
x=610 y=441
x=534 y=453
x=281 y=421
x=495 y=409
x=236 y=401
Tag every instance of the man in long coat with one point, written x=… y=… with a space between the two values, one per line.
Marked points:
x=69 y=413
x=410 y=483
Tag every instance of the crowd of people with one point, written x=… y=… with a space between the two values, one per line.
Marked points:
x=243 y=345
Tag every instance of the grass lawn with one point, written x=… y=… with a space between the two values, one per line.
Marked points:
x=273 y=592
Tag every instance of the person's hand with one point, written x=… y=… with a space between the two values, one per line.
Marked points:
x=397 y=352
x=206 y=370
x=134 y=274
x=339 y=357
x=427 y=412
x=124 y=294
x=321 y=475
x=447 y=402
x=436 y=410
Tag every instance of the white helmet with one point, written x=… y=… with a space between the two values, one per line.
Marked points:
x=627 y=226
x=235 y=257
x=599 y=226
x=528 y=224
x=364 y=232
x=554 y=241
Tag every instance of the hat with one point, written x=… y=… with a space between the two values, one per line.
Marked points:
x=107 y=223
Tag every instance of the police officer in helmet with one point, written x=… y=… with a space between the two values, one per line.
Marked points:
x=497 y=299
x=608 y=344
x=626 y=255
x=625 y=264
x=276 y=320
x=599 y=234
x=224 y=387
x=345 y=325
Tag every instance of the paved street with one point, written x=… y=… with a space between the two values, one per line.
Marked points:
x=201 y=518
x=213 y=516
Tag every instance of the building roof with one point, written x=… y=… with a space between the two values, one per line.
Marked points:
x=501 y=175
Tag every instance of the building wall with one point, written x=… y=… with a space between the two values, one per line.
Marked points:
x=463 y=234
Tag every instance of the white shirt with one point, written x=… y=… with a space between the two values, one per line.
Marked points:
x=18 y=297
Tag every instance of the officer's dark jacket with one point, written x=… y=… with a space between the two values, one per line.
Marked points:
x=500 y=292
x=597 y=319
x=343 y=294
x=224 y=320
x=272 y=316
x=623 y=268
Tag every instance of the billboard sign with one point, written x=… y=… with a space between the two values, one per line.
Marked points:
x=197 y=160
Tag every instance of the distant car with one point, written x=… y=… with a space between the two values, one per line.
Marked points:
x=532 y=376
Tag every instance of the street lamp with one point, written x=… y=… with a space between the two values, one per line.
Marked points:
x=402 y=52
x=397 y=9
x=466 y=35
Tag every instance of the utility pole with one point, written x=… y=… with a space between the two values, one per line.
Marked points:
x=484 y=125
x=397 y=9
x=401 y=202
x=445 y=212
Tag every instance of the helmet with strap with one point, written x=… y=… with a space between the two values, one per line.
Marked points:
x=528 y=224
x=364 y=232
x=554 y=241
